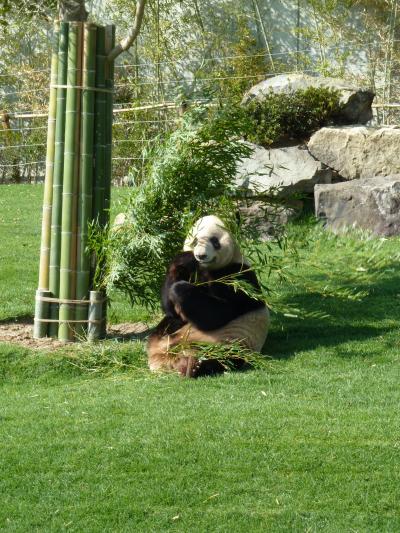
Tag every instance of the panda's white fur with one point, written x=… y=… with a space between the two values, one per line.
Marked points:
x=250 y=329
x=198 y=242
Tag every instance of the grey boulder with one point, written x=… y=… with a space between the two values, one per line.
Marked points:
x=371 y=204
x=268 y=220
x=284 y=170
x=358 y=151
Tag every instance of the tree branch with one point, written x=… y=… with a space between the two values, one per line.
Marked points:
x=126 y=43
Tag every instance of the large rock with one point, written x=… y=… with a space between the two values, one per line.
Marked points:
x=290 y=170
x=356 y=101
x=269 y=220
x=358 y=152
x=371 y=204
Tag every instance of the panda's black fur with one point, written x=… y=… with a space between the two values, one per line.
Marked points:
x=208 y=303
x=183 y=267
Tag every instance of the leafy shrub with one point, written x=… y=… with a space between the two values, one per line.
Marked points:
x=295 y=115
x=190 y=175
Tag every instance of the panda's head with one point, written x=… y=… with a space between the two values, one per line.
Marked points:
x=212 y=244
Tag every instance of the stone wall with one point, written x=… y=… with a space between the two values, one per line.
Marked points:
x=352 y=169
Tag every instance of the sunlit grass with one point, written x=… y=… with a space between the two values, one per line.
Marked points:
x=91 y=441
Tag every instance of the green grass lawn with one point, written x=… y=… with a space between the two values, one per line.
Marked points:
x=90 y=441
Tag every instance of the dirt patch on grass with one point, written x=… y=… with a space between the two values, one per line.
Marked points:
x=128 y=331
x=21 y=332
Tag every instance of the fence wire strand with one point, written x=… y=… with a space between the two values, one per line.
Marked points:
x=154 y=115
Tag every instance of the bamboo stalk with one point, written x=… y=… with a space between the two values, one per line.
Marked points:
x=95 y=315
x=76 y=171
x=41 y=310
x=264 y=33
x=100 y=144
x=86 y=169
x=109 y=83
x=100 y=129
x=48 y=182
x=41 y=313
x=70 y=182
x=54 y=269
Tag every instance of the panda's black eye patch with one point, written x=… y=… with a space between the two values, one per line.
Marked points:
x=215 y=242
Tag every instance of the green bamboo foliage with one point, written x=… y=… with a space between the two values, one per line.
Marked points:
x=70 y=184
x=40 y=328
x=86 y=169
x=100 y=129
x=54 y=270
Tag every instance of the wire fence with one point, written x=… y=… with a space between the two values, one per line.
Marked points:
x=149 y=103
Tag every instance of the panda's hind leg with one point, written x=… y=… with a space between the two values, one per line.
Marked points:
x=208 y=367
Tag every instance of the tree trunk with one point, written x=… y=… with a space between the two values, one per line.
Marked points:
x=72 y=10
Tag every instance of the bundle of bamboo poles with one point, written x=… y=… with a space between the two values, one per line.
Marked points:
x=77 y=183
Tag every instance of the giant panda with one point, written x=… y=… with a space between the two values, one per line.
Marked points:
x=199 y=308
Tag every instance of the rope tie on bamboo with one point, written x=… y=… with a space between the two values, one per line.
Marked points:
x=81 y=88
x=66 y=301
x=51 y=320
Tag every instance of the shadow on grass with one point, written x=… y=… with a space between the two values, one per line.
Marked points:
x=129 y=336
x=18 y=319
x=348 y=320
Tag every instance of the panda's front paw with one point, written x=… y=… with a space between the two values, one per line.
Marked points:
x=180 y=290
